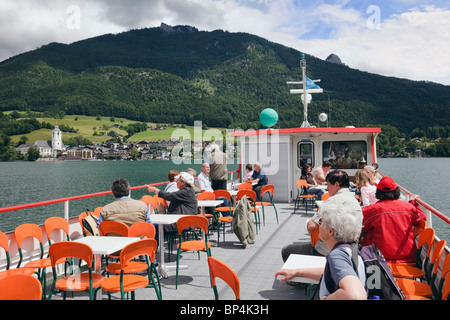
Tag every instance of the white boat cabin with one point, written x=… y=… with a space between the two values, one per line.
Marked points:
x=282 y=152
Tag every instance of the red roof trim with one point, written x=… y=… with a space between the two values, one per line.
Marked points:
x=304 y=130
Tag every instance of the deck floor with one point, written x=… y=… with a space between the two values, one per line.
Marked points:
x=255 y=266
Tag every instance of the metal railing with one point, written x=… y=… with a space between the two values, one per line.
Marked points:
x=85 y=196
x=430 y=210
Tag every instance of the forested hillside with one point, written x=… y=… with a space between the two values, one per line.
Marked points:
x=180 y=74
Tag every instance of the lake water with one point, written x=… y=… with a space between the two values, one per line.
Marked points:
x=28 y=182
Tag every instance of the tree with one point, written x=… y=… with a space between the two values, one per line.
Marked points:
x=134 y=153
x=23 y=140
x=33 y=153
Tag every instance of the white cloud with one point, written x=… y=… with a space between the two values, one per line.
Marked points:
x=413 y=44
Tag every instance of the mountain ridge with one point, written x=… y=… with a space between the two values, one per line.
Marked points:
x=180 y=74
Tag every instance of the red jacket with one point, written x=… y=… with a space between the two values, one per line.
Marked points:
x=389 y=225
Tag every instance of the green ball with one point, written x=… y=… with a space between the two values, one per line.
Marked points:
x=268 y=117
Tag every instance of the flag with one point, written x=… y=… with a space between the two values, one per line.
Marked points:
x=310 y=84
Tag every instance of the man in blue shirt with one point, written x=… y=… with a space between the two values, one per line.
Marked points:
x=259 y=176
x=124 y=209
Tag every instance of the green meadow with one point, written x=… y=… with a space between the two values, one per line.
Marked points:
x=95 y=129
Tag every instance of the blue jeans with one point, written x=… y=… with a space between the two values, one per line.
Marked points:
x=317 y=191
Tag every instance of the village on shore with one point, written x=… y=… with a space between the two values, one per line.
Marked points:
x=113 y=149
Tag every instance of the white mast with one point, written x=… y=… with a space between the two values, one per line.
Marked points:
x=306 y=93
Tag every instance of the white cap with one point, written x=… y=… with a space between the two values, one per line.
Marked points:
x=186 y=177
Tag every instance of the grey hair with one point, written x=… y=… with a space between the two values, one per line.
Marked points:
x=345 y=220
x=370 y=168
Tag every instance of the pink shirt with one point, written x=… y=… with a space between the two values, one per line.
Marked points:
x=368 y=195
x=319 y=175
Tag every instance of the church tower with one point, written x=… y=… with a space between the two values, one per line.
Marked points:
x=57 y=144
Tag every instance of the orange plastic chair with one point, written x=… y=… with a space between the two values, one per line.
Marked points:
x=56 y=224
x=207 y=196
x=417 y=230
x=446 y=289
x=301 y=184
x=161 y=204
x=10 y=272
x=269 y=189
x=115 y=229
x=314 y=236
x=20 y=287
x=251 y=195
x=417 y=288
x=440 y=291
x=445 y=272
x=138 y=229
x=150 y=202
x=219 y=269
x=325 y=196
x=110 y=227
x=224 y=194
x=424 y=246
x=30 y=230
x=131 y=282
x=229 y=210
x=245 y=186
x=97 y=211
x=189 y=222
x=142 y=229
x=409 y=270
x=86 y=281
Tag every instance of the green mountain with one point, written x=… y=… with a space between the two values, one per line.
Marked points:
x=179 y=74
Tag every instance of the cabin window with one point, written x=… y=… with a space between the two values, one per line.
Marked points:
x=345 y=154
x=305 y=153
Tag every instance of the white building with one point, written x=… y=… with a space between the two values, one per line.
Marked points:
x=46 y=148
x=57 y=144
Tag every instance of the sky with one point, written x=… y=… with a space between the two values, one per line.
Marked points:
x=400 y=38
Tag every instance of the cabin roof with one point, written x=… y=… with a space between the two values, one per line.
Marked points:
x=304 y=130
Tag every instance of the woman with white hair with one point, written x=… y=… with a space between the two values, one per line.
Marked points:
x=339 y=224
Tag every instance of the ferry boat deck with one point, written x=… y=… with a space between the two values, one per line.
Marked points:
x=255 y=266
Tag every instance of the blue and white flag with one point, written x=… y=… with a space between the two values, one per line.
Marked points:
x=310 y=84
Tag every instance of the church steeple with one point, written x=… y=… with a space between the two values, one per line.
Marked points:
x=57 y=139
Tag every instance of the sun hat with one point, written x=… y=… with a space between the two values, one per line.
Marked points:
x=186 y=177
x=387 y=184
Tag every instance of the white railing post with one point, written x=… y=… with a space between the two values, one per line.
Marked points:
x=66 y=210
x=429 y=214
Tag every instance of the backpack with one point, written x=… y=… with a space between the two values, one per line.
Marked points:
x=379 y=279
x=90 y=224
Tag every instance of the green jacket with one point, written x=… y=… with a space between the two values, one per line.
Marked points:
x=243 y=223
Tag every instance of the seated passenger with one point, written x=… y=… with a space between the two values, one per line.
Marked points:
x=259 y=176
x=388 y=224
x=312 y=184
x=338 y=183
x=124 y=208
x=340 y=224
x=320 y=173
x=249 y=169
x=367 y=188
x=172 y=186
x=182 y=201
x=371 y=171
